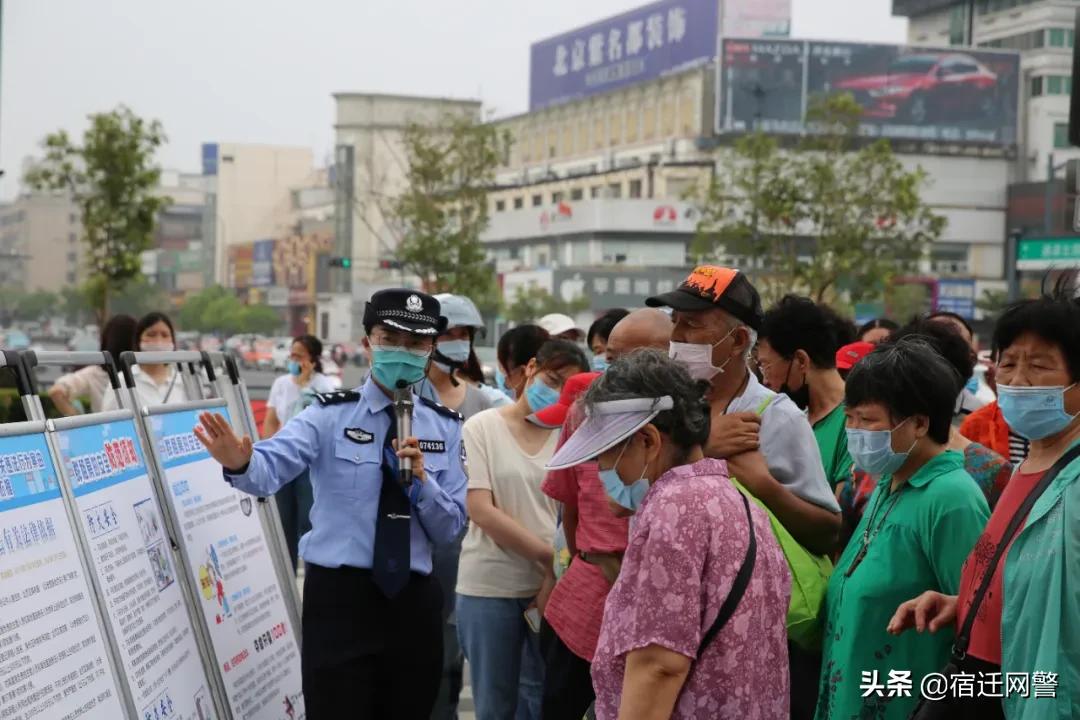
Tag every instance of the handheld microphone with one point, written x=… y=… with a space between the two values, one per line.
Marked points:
x=403 y=409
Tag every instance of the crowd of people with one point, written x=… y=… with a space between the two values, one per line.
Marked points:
x=702 y=508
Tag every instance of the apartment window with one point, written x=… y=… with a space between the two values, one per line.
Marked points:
x=1056 y=37
x=519 y=202
x=1061 y=136
x=615 y=190
x=1036 y=86
x=1053 y=85
x=71 y=278
x=577 y=194
x=537 y=200
x=72 y=257
x=500 y=205
x=594 y=191
x=556 y=198
x=542 y=259
x=71 y=238
x=635 y=188
x=73 y=218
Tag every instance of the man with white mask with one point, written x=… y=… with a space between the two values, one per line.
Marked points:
x=765 y=438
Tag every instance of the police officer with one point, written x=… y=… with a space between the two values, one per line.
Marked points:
x=372 y=611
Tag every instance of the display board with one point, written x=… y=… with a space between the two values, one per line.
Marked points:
x=132 y=558
x=228 y=558
x=958 y=96
x=54 y=659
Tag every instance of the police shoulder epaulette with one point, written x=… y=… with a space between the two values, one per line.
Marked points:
x=443 y=410
x=337 y=398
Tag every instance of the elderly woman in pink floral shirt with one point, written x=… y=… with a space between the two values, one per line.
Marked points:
x=694 y=627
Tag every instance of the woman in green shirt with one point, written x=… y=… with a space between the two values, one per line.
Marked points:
x=920 y=523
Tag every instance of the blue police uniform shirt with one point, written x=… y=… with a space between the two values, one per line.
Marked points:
x=342 y=444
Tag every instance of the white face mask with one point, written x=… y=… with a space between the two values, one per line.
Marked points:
x=697 y=357
x=154 y=346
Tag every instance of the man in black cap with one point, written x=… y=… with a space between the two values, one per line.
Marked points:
x=372 y=624
x=764 y=437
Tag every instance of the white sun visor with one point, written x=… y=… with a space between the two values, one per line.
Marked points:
x=606 y=425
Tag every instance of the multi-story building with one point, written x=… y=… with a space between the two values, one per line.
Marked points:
x=251 y=188
x=1043 y=32
x=181 y=261
x=41 y=244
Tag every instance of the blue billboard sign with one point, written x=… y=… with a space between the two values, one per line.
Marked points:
x=643 y=44
x=209 y=158
x=262 y=263
x=956 y=295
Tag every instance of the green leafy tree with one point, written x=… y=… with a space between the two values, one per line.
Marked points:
x=217 y=310
x=138 y=297
x=533 y=303
x=36 y=305
x=444 y=208
x=112 y=178
x=830 y=218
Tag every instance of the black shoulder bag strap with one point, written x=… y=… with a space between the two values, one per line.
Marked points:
x=964 y=636
x=738 y=588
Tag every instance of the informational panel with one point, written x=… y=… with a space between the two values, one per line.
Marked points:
x=229 y=561
x=54 y=659
x=956 y=95
x=132 y=558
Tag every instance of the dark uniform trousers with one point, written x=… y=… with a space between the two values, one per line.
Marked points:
x=365 y=656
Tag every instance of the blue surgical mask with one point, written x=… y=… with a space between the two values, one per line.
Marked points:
x=501 y=386
x=392 y=364
x=599 y=363
x=456 y=350
x=293 y=367
x=540 y=395
x=627 y=496
x=1035 y=413
x=871 y=451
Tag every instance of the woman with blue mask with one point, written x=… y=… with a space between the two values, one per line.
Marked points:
x=289 y=395
x=516 y=348
x=1028 y=616
x=694 y=625
x=920 y=523
x=508 y=545
x=599 y=332
x=455 y=379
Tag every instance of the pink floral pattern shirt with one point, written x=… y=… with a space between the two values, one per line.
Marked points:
x=687 y=544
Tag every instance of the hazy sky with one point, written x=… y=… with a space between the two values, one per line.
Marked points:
x=264 y=70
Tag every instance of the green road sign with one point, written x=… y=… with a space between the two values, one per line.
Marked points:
x=1047 y=253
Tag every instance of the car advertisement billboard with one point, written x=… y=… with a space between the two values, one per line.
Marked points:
x=906 y=93
x=643 y=44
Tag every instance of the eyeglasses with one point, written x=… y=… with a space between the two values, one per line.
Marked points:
x=402 y=341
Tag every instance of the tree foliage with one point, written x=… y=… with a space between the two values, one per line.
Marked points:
x=532 y=303
x=218 y=311
x=111 y=176
x=444 y=207
x=829 y=218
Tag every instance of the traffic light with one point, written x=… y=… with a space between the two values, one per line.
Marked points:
x=341 y=262
x=389 y=265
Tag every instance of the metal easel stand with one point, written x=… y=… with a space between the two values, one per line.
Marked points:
x=26 y=386
x=230 y=386
x=223 y=403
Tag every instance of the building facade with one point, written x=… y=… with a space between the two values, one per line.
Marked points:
x=252 y=188
x=1043 y=32
x=41 y=245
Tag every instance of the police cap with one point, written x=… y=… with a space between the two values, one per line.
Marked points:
x=407 y=310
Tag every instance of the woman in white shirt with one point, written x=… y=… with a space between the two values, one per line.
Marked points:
x=155 y=384
x=509 y=541
x=92 y=381
x=289 y=395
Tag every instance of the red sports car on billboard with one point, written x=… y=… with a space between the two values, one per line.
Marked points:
x=926 y=87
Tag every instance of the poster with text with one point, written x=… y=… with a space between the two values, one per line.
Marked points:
x=53 y=655
x=132 y=559
x=243 y=605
